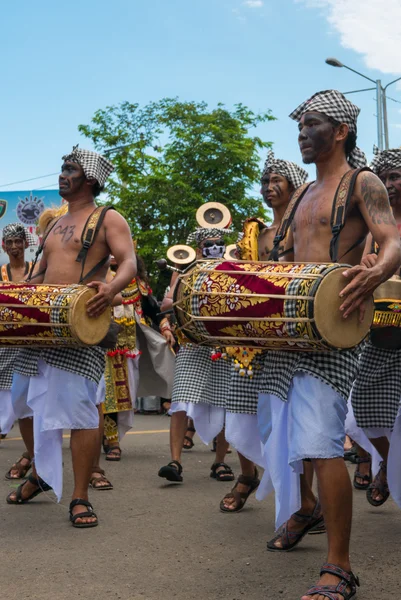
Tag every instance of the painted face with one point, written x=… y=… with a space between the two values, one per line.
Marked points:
x=392 y=181
x=316 y=137
x=15 y=247
x=276 y=190
x=213 y=248
x=71 y=179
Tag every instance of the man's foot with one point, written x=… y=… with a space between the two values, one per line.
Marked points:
x=82 y=514
x=235 y=500
x=28 y=490
x=222 y=472
x=99 y=481
x=20 y=468
x=334 y=583
x=378 y=491
x=113 y=453
x=188 y=439
x=172 y=471
x=295 y=529
x=363 y=473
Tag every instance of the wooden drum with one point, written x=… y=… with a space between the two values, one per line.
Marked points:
x=49 y=315
x=286 y=306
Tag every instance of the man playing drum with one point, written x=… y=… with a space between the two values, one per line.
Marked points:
x=303 y=405
x=59 y=384
x=376 y=394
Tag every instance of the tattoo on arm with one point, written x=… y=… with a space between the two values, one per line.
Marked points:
x=376 y=201
x=66 y=232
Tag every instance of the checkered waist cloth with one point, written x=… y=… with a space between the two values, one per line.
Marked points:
x=376 y=394
x=336 y=369
x=89 y=362
x=8 y=357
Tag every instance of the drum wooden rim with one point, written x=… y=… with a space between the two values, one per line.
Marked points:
x=389 y=290
x=213 y=214
x=181 y=254
x=335 y=330
x=90 y=331
x=231 y=252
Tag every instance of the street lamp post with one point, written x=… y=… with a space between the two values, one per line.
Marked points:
x=381 y=102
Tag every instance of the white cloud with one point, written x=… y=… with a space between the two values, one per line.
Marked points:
x=370 y=27
x=254 y=3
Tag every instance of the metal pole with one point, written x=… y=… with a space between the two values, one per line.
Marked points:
x=379 y=100
x=385 y=120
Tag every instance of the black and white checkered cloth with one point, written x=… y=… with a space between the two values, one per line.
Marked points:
x=335 y=105
x=206 y=233
x=291 y=171
x=385 y=160
x=8 y=357
x=93 y=164
x=88 y=362
x=376 y=394
x=337 y=369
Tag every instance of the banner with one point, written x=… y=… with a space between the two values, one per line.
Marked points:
x=25 y=207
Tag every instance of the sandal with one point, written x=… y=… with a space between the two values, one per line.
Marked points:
x=241 y=497
x=188 y=441
x=42 y=487
x=87 y=513
x=172 y=471
x=367 y=479
x=96 y=480
x=380 y=486
x=290 y=539
x=347 y=580
x=111 y=453
x=225 y=472
x=22 y=469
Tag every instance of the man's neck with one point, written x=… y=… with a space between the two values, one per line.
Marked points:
x=278 y=214
x=17 y=263
x=80 y=202
x=332 y=168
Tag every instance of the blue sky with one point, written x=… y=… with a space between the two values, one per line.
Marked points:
x=64 y=60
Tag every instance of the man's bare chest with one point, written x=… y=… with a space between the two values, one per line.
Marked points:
x=315 y=211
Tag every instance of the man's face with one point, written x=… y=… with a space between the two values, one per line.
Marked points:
x=15 y=247
x=316 y=137
x=212 y=248
x=392 y=180
x=71 y=179
x=276 y=190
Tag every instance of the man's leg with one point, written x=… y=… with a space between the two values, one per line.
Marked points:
x=84 y=445
x=382 y=445
x=223 y=472
x=178 y=427
x=335 y=494
x=20 y=469
x=26 y=429
x=98 y=479
x=247 y=483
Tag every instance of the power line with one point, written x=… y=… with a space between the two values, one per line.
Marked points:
x=25 y=180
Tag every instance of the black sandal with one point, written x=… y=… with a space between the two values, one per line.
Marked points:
x=22 y=469
x=95 y=480
x=367 y=479
x=110 y=453
x=225 y=472
x=379 y=486
x=172 y=471
x=42 y=487
x=291 y=539
x=190 y=443
x=87 y=513
x=241 y=497
x=347 y=580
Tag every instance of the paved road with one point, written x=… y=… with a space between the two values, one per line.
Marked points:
x=170 y=542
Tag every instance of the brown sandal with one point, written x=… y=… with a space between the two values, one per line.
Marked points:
x=291 y=539
x=22 y=469
x=95 y=480
x=241 y=497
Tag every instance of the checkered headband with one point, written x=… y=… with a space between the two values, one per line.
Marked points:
x=203 y=233
x=291 y=171
x=335 y=105
x=18 y=231
x=93 y=164
x=385 y=160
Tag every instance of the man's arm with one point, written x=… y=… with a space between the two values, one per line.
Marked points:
x=372 y=200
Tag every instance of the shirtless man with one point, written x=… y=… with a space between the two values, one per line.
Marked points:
x=314 y=386
x=44 y=378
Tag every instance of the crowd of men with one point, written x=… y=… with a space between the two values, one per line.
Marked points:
x=283 y=412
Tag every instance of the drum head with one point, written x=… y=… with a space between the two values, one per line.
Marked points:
x=181 y=254
x=231 y=252
x=338 y=332
x=213 y=214
x=88 y=330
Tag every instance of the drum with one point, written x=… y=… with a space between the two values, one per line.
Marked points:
x=386 y=327
x=49 y=315
x=286 y=306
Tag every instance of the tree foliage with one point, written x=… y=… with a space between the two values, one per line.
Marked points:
x=171 y=157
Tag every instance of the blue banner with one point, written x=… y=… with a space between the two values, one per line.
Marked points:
x=25 y=207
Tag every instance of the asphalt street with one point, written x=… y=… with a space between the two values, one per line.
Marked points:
x=160 y=541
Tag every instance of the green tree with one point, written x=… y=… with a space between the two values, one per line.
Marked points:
x=171 y=157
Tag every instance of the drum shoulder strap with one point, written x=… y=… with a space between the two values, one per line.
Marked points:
x=341 y=204
x=40 y=248
x=288 y=218
x=88 y=237
x=4 y=274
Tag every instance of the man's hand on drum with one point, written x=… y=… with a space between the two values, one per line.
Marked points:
x=102 y=300
x=364 y=280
